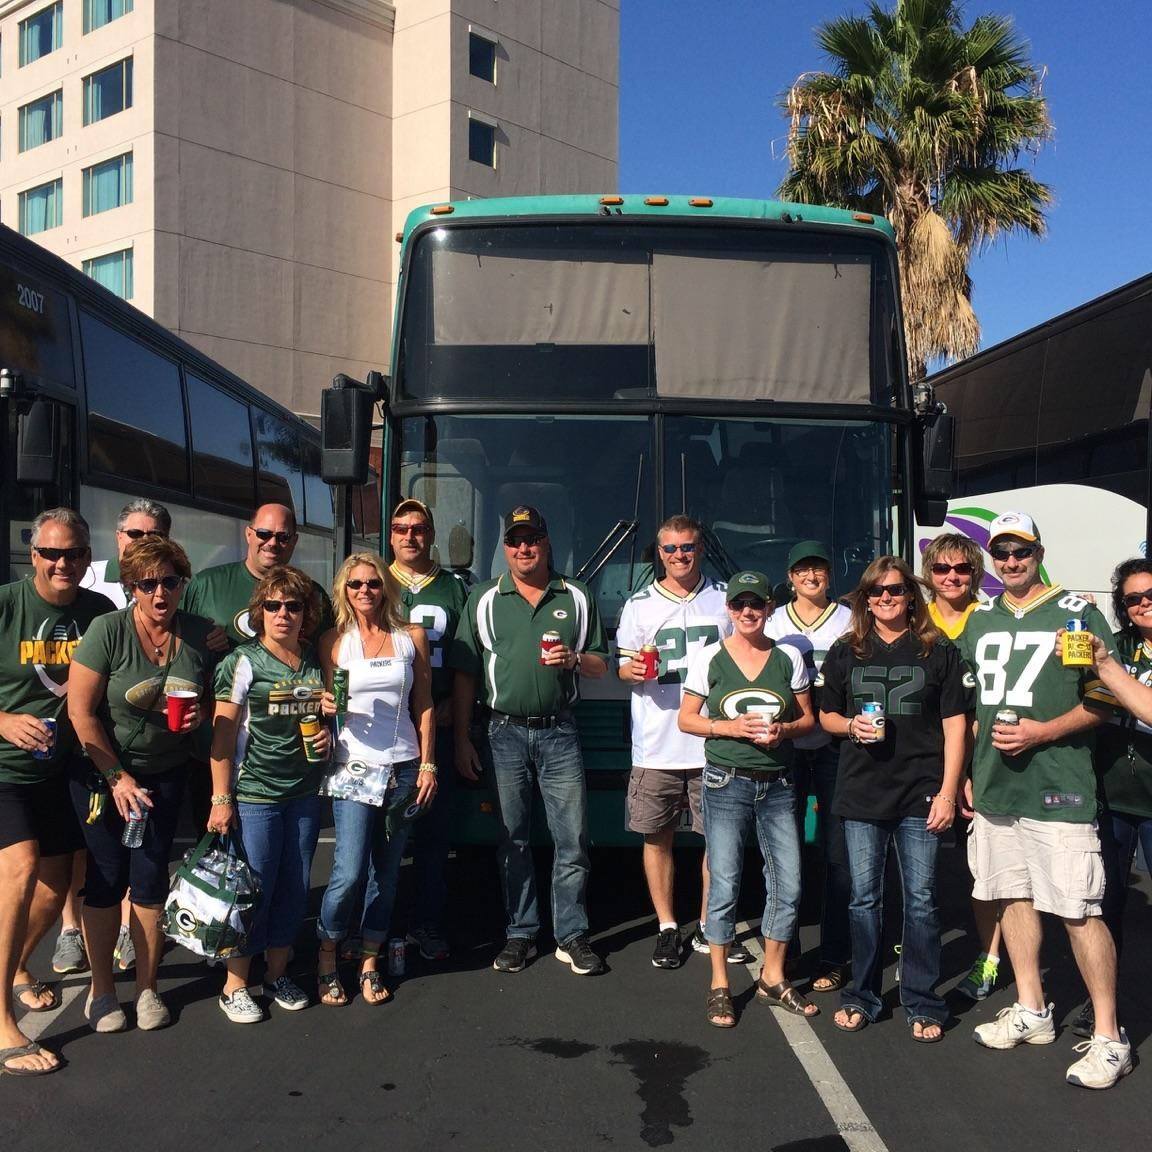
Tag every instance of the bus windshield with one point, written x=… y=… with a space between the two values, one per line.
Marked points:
x=619 y=310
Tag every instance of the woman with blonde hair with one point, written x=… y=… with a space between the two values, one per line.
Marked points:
x=383 y=769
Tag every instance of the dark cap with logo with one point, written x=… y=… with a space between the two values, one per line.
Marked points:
x=525 y=516
x=808 y=550
x=749 y=583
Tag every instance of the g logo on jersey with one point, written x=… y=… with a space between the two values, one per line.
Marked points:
x=737 y=703
x=241 y=626
x=560 y=614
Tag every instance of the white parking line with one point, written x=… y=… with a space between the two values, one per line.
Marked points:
x=851 y=1120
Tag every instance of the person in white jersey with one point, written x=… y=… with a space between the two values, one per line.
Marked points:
x=382 y=763
x=680 y=615
x=811 y=624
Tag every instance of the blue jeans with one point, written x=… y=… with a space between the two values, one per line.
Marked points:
x=733 y=805
x=1119 y=834
x=431 y=840
x=814 y=774
x=550 y=757
x=916 y=847
x=362 y=837
x=279 y=840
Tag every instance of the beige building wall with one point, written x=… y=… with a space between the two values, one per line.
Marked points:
x=278 y=145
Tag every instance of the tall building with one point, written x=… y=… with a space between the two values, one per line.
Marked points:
x=238 y=168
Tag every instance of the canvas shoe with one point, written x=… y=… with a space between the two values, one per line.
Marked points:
x=1017 y=1025
x=151 y=1012
x=104 y=1014
x=289 y=995
x=1103 y=1063
x=240 y=1008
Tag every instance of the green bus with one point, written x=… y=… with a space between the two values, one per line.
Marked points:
x=613 y=360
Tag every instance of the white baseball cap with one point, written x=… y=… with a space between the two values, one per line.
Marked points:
x=1014 y=524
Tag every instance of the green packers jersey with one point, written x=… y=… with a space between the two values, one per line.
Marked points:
x=434 y=601
x=1010 y=653
x=39 y=640
x=270 y=751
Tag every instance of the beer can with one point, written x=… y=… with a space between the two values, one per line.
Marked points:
x=310 y=727
x=340 y=691
x=873 y=712
x=650 y=654
x=397 y=955
x=47 y=753
x=548 y=641
x=1076 y=645
x=1009 y=717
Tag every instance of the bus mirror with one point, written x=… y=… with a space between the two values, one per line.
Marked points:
x=345 y=431
x=934 y=468
x=38 y=443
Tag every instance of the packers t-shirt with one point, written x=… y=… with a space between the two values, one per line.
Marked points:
x=896 y=776
x=38 y=643
x=137 y=687
x=270 y=752
x=1010 y=653
x=435 y=602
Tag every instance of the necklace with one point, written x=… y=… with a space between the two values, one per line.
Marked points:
x=148 y=641
x=379 y=647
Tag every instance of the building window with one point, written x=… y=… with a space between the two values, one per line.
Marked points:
x=41 y=120
x=42 y=33
x=97 y=13
x=108 y=91
x=42 y=207
x=482 y=57
x=108 y=184
x=114 y=271
x=481 y=141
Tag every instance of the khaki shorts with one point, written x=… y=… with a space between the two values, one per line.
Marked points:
x=1056 y=865
x=658 y=798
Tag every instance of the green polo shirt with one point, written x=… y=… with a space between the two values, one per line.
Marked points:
x=435 y=602
x=498 y=641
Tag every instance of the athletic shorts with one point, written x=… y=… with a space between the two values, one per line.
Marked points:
x=41 y=812
x=657 y=798
x=1055 y=864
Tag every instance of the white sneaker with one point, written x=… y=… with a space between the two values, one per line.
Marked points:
x=1103 y=1063
x=240 y=1008
x=1016 y=1025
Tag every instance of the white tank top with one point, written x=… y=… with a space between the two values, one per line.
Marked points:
x=378 y=726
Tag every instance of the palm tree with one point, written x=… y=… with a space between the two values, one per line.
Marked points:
x=922 y=121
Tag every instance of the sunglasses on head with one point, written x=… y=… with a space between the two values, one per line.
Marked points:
x=753 y=602
x=959 y=569
x=149 y=585
x=54 y=554
x=266 y=534
x=1134 y=599
x=1004 y=551
x=292 y=607
x=671 y=549
x=530 y=540
x=409 y=529
x=374 y=583
x=877 y=590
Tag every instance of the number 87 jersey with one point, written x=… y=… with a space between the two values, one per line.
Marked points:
x=1010 y=653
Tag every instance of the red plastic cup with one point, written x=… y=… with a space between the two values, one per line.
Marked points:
x=179 y=705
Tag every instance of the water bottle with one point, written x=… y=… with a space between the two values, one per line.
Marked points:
x=134 y=826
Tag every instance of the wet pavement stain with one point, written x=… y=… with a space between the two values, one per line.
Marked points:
x=814 y=1144
x=662 y=1070
x=553 y=1046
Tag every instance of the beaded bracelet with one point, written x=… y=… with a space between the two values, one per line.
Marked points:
x=220 y=799
x=427 y=768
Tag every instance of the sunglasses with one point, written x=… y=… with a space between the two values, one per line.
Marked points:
x=266 y=534
x=69 y=554
x=1021 y=553
x=149 y=586
x=959 y=569
x=529 y=541
x=1134 y=599
x=409 y=529
x=140 y=533
x=671 y=549
x=893 y=590
x=292 y=607
x=375 y=584
x=753 y=602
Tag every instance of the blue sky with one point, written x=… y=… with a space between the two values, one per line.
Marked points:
x=698 y=90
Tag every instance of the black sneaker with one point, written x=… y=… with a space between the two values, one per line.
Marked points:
x=1085 y=1023
x=578 y=953
x=737 y=953
x=517 y=951
x=666 y=954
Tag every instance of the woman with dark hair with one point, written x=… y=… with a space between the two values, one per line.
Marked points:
x=896 y=784
x=118 y=685
x=272 y=683
x=386 y=737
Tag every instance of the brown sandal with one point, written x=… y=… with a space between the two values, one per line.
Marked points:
x=783 y=995
x=831 y=979
x=721 y=1010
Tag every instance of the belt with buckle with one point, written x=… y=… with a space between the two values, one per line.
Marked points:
x=534 y=722
x=759 y=775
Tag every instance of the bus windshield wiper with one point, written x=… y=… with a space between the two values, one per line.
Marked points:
x=717 y=554
x=604 y=551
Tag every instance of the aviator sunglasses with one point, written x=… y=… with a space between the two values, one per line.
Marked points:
x=54 y=554
x=374 y=584
x=959 y=569
x=1021 y=553
x=292 y=607
x=149 y=585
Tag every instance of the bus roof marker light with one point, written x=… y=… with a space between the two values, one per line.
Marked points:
x=864 y=217
x=399 y=237
x=443 y=210
x=656 y=201
x=700 y=202
x=611 y=201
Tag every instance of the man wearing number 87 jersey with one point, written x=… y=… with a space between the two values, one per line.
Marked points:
x=434 y=599
x=1034 y=845
x=679 y=615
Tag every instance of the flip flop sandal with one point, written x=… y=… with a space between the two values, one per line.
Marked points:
x=29 y=1049
x=857 y=1021
x=38 y=988
x=376 y=986
x=834 y=979
x=925 y=1023
x=783 y=995
x=720 y=1006
x=332 y=994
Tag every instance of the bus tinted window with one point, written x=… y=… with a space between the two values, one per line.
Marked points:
x=35 y=336
x=221 y=445
x=135 y=409
x=317 y=495
x=279 y=479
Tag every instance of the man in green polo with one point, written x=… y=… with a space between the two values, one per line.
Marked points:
x=529 y=692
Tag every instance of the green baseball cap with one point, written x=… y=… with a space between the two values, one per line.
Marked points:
x=808 y=550
x=754 y=582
